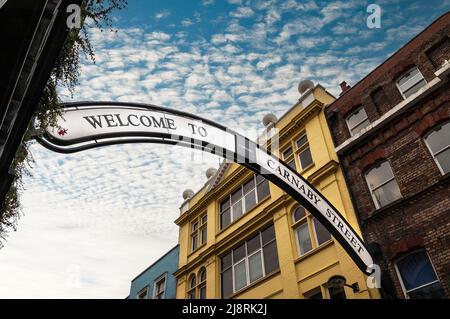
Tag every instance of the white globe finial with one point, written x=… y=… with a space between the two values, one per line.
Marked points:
x=188 y=193
x=305 y=85
x=210 y=172
x=269 y=119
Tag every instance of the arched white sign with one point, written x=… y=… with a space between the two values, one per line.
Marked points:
x=93 y=124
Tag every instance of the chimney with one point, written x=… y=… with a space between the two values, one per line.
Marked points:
x=344 y=87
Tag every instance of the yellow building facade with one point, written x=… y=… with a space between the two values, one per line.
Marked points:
x=240 y=236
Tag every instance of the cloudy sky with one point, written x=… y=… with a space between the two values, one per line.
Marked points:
x=94 y=220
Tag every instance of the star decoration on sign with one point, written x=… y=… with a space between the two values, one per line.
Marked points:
x=62 y=131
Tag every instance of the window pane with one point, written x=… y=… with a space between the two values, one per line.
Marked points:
x=239 y=253
x=237 y=210
x=204 y=219
x=225 y=204
x=268 y=234
x=194 y=226
x=416 y=270
x=225 y=219
x=439 y=138
x=227 y=283
x=414 y=88
x=202 y=275
x=387 y=193
x=255 y=266
x=359 y=127
x=379 y=174
x=407 y=76
x=287 y=152
x=194 y=242
x=305 y=158
x=316 y=294
x=337 y=293
x=259 y=178
x=202 y=292
x=444 y=161
x=240 y=276
x=270 y=257
x=192 y=282
x=299 y=213
x=356 y=118
x=304 y=240
x=302 y=141
x=434 y=291
x=191 y=295
x=237 y=195
x=250 y=200
x=249 y=185
x=322 y=233
x=263 y=190
x=253 y=244
x=291 y=164
x=225 y=261
x=203 y=234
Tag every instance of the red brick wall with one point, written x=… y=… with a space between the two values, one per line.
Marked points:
x=421 y=218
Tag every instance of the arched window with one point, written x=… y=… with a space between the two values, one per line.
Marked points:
x=202 y=284
x=438 y=142
x=418 y=277
x=192 y=283
x=411 y=82
x=382 y=184
x=304 y=225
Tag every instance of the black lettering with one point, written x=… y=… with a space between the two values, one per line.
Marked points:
x=131 y=122
x=160 y=123
x=348 y=234
x=329 y=212
x=171 y=124
x=148 y=122
x=93 y=121
x=193 y=128
x=202 y=131
x=340 y=225
x=269 y=162
x=120 y=120
x=109 y=120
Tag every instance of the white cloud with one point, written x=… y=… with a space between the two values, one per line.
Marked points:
x=242 y=12
x=186 y=22
x=162 y=14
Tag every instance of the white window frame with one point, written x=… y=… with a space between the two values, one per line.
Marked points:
x=405 y=292
x=246 y=263
x=403 y=75
x=438 y=152
x=242 y=200
x=140 y=291
x=374 y=199
x=156 y=281
x=359 y=123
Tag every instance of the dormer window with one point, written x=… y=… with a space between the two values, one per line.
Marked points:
x=411 y=82
x=357 y=120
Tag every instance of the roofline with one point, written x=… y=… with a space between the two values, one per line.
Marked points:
x=389 y=58
x=318 y=85
x=155 y=262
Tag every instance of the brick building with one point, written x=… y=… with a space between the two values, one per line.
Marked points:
x=392 y=135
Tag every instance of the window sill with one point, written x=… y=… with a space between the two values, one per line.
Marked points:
x=324 y=245
x=253 y=284
x=240 y=217
x=307 y=168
